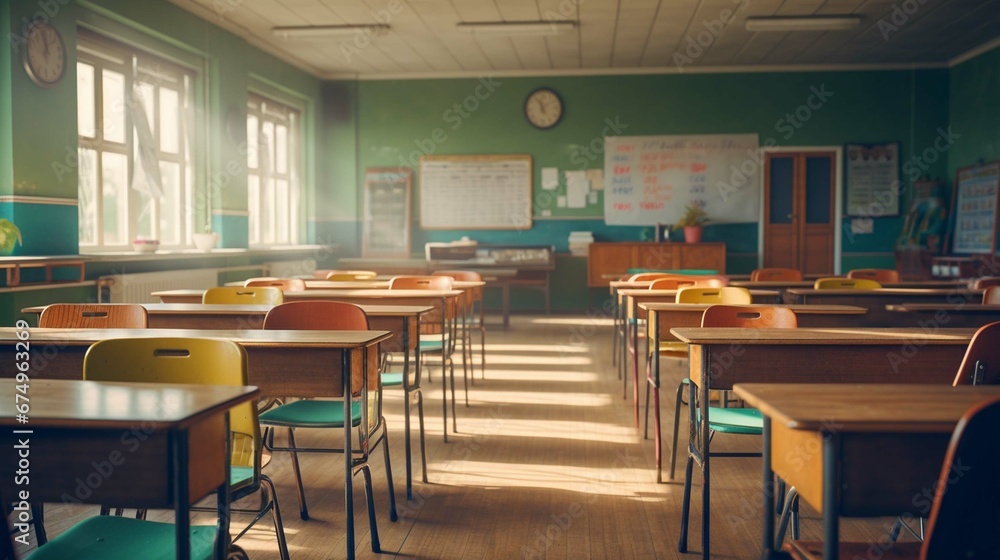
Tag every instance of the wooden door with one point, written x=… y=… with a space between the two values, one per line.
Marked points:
x=799 y=228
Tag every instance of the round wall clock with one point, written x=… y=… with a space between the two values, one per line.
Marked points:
x=543 y=108
x=44 y=54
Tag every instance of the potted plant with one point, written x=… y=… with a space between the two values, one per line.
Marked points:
x=9 y=235
x=692 y=221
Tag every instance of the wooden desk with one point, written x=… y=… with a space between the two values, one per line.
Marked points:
x=857 y=450
x=281 y=363
x=74 y=425
x=721 y=357
x=955 y=315
x=664 y=316
x=876 y=300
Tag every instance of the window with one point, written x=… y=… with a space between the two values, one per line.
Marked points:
x=274 y=169
x=135 y=164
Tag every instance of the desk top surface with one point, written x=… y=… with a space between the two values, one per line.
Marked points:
x=222 y=309
x=368 y=284
x=320 y=294
x=100 y=405
x=808 y=284
x=822 y=336
x=800 y=309
x=908 y=292
x=245 y=337
x=949 y=307
x=638 y=292
x=864 y=407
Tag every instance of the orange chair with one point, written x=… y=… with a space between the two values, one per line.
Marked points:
x=880 y=275
x=366 y=404
x=474 y=315
x=983 y=283
x=93 y=316
x=776 y=275
x=981 y=364
x=283 y=284
x=991 y=295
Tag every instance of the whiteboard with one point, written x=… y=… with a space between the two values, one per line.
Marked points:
x=475 y=192
x=650 y=179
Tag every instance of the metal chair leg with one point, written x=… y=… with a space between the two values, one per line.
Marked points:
x=303 y=509
x=388 y=473
x=370 y=497
x=677 y=421
x=279 y=527
x=682 y=545
x=788 y=511
x=423 y=446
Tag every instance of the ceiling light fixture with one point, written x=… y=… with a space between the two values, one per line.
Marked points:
x=803 y=23
x=330 y=31
x=554 y=27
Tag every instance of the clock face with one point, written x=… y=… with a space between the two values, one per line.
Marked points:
x=44 y=54
x=543 y=108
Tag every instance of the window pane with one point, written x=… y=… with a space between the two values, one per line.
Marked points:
x=169 y=120
x=145 y=98
x=87 y=207
x=114 y=171
x=267 y=147
x=253 y=204
x=281 y=149
x=252 y=146
x=281 y=211
x=114 y=106
x=86 y=110
x=146 y=212
x=172 y=205
x=266 y=211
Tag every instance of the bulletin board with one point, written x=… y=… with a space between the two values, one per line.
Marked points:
x=649 y=180
x=872 y=179
x=475 y=192
x=975 y=208
x=386 y=223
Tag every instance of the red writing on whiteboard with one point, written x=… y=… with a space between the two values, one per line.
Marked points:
x=623 y=206
x=698 y=167
x=651 y=205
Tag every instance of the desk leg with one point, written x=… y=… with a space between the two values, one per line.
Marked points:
x=654 y=341
x=505 y=303
x=406 y=407
x=614 y=332
x=635 y=361
x=768 y=485
x=706 y=453
x=831 y=509
x=182 y=501
x=420 y=403
x=444 y=368
x=348 y=454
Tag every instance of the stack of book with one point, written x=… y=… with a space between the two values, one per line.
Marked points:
x=579 y=242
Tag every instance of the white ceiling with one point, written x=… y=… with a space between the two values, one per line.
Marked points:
x=611 y=35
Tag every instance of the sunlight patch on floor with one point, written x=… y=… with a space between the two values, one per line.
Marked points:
x=562 y=349
x=582 y=322
x=536 y=360
x=557 y=399
x=562 y=376
x=620 y=481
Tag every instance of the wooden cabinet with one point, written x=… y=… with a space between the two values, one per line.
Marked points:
x=617 y=258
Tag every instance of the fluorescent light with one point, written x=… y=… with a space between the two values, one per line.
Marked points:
x=803 y=23
x=332 y=31
x=517 y=27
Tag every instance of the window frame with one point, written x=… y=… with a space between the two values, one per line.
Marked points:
x=267 y=109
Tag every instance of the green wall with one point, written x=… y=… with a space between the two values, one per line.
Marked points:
x=400 y=120
x=974 y=111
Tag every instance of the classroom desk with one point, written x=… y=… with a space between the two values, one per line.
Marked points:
x=281 y=363
x=784 y=285
x=721 y=357
x=661 y=317
x=856 y=450
x=403 y=321
x=876 y=300
x=631 y=298
x=954 y=315
x=75 y=424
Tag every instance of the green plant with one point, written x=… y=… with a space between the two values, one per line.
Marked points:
x=9 y=234
x=693 y=216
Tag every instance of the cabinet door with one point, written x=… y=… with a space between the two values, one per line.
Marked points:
x=607 y=258
x=704 y=257
x=654 y=256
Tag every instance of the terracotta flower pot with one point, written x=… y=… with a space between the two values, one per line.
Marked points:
x=692 y=234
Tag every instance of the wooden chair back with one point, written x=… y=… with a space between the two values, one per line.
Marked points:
x=283 y=284
x=234 y=295
x=678 y=282
x=648 y=276
x=421 y=283
x=776 y=275
x=991 y=295
x=350 y=275
x=93 y=316
x=461 y=275
x=981 y=364
x=964 y=515
x=725 y=295
x=760 y=317
x=880 y=275
x=838 y=283
x=986 y=282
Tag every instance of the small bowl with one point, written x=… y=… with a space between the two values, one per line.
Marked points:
x=145 y=245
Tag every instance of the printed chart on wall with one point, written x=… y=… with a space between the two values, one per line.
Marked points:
x=475 y=192
x=649 y=180
x=872 y=180
x=976 y=190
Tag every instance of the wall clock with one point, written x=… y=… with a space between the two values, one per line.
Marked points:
x=44 y=54
x=543 y=108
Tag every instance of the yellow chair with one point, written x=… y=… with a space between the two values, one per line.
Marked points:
x=319 y=413
x=776 y=275
x=172 y=360
x=837 y=283
x=351 y=275
x=235 y=295
x=283 y=284
x=880 y=275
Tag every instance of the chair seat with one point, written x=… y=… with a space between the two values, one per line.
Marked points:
x=108 y=537
x=736 y=420
x=240 y=476
x=311 y=414
x=433 y=344
x=392 y=379
x=813 y=550
x=673 y=347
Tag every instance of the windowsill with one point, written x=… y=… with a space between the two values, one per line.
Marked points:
x=168 y=254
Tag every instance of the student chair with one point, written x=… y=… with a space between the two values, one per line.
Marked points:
x=963 y=517
x=314 y=413
x=351 y=275
x=283 y=284
x=776 y=275
x=985 y=282
x=173 y=360
x=837 y=283
x=880 y=275
x=93 y=316
x=234 y=295
x=474 y=313
x=991 y=295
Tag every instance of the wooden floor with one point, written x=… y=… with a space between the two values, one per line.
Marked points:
x=546 y=465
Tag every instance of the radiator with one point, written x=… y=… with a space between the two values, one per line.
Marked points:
x=136 y=288
x=291 y=269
